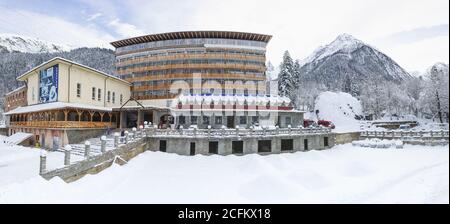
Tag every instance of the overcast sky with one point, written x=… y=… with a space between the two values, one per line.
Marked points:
x=415 y=33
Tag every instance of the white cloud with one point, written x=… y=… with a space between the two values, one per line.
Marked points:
x=94 y=16
x=299 y=26
x=420 y=55
x=52 y=29
x=124 y=29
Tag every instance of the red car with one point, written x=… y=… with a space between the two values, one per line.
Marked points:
x=327 y=124
x=308 y=123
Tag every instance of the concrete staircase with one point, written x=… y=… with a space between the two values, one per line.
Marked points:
x=78 y=149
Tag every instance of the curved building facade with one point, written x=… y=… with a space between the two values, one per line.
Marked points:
x=198 y=62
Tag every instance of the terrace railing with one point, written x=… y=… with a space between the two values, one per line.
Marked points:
x=430 y=135
x=234 y=132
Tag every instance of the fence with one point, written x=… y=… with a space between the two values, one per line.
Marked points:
x=413 y=135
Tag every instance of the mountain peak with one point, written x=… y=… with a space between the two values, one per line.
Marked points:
x=347 y=56
x=344 y=43
x=17 y=43
x=346 y=37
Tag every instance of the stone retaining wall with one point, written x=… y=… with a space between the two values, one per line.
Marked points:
x=344 y=138
x=182 y=146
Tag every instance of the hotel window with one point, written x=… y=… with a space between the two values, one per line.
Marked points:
x=78 y=89
x=218 y=120
x=205 y=120
x=93 y=93
x=193 y=119
x=255 y=119
x=182 y=119
x=109 y=97
x=32 y=94
x=288 y=120
x=99 y=94
x=121 y=99
x=242 y=120
x=114 y=97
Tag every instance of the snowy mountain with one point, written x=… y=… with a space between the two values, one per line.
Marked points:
x=16 y=43
x=347 y=58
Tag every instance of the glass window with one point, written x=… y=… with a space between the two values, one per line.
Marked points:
x=288 y=120
x=113 y=97
x=108 y=99
x=193 y=119
x=93 y=93
x=121 y=99
x=218 y=120
x=99 y=94
x=182 y=119
x=255 y=119
x=242 y=120
x=78 y=89
x=205 y=120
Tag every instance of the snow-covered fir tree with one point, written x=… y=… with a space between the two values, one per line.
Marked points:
x=436 y=92
x=285 y=77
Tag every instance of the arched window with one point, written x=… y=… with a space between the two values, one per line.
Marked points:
x=59 y=116
x=85 y=116
x=72 y=116
x=96 y=117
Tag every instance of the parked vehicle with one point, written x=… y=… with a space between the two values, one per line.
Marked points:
x=327 y=124
x=308 y=123
x=404 y=127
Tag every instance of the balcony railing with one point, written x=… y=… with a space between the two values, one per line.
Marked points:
x=63 y=124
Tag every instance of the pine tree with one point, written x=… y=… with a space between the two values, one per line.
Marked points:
x=285 y=77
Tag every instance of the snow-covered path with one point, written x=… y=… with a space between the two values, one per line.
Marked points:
x=345 y=174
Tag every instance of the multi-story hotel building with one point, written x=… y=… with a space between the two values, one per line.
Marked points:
x=161 y=67
x=154 y=63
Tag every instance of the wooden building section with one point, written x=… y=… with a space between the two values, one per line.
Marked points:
x=65 y=118
x=16 y=98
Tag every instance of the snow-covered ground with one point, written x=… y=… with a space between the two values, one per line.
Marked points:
x=18 y=163
x=342 y=109
x=344 y=174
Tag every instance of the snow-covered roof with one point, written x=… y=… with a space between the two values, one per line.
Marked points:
x=24 y=75
x=15 y=90
x=55 y=106
x=233 y=99
x=18 y=138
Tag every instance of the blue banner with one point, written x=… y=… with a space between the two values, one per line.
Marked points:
x=48 y=85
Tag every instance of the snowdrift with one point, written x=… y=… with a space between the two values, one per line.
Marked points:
x=340 y=108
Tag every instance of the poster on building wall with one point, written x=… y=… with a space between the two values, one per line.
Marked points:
x=48 y=85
